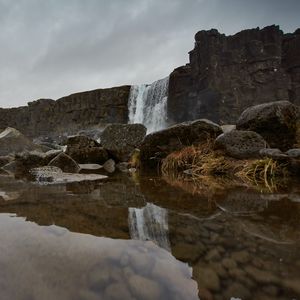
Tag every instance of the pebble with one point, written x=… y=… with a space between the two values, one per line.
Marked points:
x=261 y=276
x=241 y=256
x=229 y=263
x=213 y=255
x=237 y=290
x=206 y=277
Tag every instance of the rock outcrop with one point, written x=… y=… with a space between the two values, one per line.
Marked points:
x=227 y=74
x=68 y=115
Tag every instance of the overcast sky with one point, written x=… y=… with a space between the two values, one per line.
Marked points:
x=51 y=48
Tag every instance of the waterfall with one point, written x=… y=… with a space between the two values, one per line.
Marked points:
x=149 y=223
x=147 y=104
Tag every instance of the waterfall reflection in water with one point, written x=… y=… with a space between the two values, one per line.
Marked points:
x=150 y=223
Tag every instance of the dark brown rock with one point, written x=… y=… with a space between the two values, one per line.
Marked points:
x=274 y=121
x=65 y=163
x=227 y=74
x=85 y=150
x=121 y=139
x=158 y=145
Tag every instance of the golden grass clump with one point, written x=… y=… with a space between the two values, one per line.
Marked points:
x=198 y=162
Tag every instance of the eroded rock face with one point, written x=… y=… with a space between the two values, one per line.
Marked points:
x=13 y=141
x=158 y=145
x=241 y=144
x=121 y=139
x=227 y=74
x=85 y=150
x=46 y=117
x=275 y=122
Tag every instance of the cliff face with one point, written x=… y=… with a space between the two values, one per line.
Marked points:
x=227 y=74
x=46 y=117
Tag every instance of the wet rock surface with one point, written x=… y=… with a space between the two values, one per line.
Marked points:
x=248 y=249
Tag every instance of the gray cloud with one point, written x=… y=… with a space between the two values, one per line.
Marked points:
x=55 y=47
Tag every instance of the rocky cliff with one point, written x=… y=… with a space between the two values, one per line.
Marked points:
x=227 y=74
x=69 y=114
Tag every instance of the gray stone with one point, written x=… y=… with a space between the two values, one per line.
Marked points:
x=276 y=122
x=240 y=144
x=293 y=153
x=228 y=128
x=13 y=141
x=109 y=166
x=272 y=153
x=121 y=139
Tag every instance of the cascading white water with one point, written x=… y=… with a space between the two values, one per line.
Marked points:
x=147 y=104
x=149 y=223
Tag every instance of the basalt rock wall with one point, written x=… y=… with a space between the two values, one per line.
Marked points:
x=227 y=74
x=46 y=117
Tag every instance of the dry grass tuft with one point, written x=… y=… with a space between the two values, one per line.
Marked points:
x=197 y=161
x=200 y=162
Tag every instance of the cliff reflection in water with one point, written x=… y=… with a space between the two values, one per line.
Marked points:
x=239 y=242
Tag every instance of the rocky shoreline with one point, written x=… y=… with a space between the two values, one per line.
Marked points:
x=264 y=144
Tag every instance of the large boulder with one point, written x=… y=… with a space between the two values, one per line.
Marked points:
x=241 y=144
x=158 y=145
x=121 y=139
x=13 y=141
x=276 y=122
x=65 y=163
x=85 y=150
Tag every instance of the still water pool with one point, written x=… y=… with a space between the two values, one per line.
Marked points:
x=147 y=238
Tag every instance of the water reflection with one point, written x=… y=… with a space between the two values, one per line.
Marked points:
x=150 y=223
x=239 y=242
x=53 y=263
